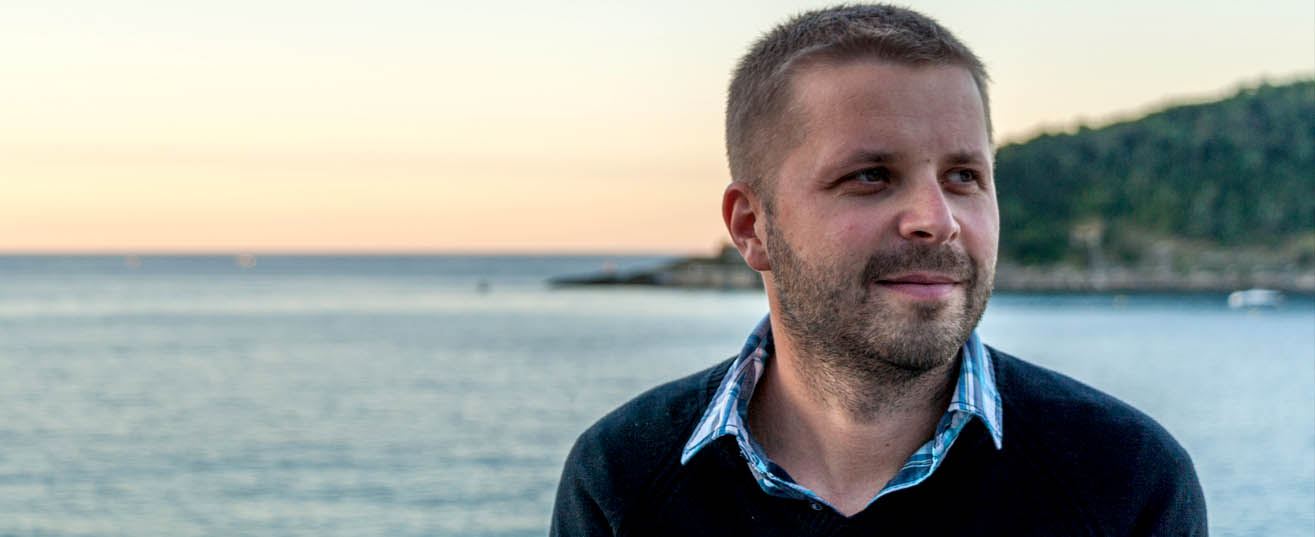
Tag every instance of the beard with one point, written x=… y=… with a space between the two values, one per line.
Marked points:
x=854 y=337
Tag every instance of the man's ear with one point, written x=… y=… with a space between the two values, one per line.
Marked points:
x=741 y=210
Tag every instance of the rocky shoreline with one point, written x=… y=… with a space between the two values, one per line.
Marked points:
x=728 y=271
x=1129 y=280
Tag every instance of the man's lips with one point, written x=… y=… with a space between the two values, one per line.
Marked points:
x=924 y=286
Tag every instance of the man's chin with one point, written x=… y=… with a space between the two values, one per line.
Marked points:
x=920 y=292
x=921 y=305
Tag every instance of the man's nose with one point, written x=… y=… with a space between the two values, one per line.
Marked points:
x=926 y=215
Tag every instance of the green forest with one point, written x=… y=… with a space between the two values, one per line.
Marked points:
x=1199 y=180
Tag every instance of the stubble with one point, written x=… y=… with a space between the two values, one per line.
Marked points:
x=858 y=347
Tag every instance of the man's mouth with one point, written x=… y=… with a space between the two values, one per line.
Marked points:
x=921 y=285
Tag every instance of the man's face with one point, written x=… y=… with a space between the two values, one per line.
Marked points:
x=882 y=227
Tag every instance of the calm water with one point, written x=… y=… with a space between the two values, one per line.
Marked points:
x=387 y=396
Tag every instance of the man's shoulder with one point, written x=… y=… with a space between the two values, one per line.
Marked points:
x=1034 y=394
x=631 y=453
x=657 y=419
x=645 y=434
x=1110 y=458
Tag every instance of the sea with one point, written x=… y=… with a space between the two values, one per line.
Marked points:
x=438 y=395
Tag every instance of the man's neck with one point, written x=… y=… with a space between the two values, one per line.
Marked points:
x=844 y=438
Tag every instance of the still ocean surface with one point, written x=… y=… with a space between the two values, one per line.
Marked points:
x=378 y=395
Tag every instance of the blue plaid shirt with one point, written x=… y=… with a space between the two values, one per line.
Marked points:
x=727 y=414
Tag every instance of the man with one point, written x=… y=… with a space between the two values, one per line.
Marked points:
x=864 y=404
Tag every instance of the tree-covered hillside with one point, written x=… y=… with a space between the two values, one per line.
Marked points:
x=1236 y=173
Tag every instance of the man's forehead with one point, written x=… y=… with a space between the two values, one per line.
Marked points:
x=824 y=88
x=858 y=99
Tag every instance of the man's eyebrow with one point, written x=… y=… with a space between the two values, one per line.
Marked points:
x=887 y=157
x=966 y=157
x=874 y=156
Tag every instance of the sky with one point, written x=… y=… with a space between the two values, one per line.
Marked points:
x=421 y=126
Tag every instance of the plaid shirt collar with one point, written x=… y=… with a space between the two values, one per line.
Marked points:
x=975 y=395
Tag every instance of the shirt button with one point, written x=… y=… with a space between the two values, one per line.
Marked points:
x=816 y=506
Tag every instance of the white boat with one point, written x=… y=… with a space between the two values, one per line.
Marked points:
x=1255 y=298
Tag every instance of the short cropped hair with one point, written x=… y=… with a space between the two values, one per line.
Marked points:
x=757 y=106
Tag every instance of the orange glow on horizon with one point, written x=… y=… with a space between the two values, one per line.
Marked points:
x=353 y=127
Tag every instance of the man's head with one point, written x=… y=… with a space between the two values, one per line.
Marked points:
x=759 y=119
x=877 y=231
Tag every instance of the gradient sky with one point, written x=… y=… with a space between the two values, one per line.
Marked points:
x=254 y=126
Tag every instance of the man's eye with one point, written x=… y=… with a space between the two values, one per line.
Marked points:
x=963 y=176
x=869 y=176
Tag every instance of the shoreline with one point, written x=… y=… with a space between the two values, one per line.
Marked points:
x=728 y=271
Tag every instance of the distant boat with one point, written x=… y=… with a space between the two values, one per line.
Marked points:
x=1255 y=298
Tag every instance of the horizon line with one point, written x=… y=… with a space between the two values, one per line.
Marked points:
x=337 y=253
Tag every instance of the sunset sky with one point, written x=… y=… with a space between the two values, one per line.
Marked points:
x=410 y=126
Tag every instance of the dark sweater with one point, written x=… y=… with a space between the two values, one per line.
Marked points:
x=1075 y=462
